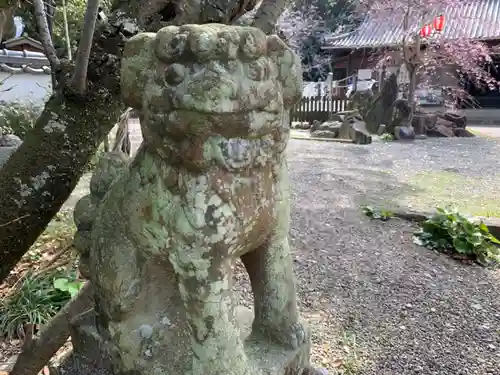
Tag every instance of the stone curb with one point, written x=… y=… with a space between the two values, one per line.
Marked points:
x=337 y=140
x=492 y=223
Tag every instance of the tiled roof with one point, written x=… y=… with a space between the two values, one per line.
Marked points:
x=23 y=62
x=23 y=40
x=470 y=19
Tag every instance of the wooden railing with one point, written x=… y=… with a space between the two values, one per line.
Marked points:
x=316 y=109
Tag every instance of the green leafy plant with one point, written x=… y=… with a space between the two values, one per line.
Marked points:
x=66 y=285
x=35 y=301
x=449 y=231
x=374 y=213
x=387 y=137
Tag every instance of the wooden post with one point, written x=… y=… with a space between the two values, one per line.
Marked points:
x=329 y=80
x=382 y=77
x=354 y=82
x=413 y=76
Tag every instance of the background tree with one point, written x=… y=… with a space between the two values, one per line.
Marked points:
x=305 y=24
x=7 y=26
x=75 y=10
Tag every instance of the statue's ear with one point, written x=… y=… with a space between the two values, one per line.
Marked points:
x=137 y=65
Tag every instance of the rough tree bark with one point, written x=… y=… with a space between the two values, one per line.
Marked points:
x=268 y=14
x=42 y=173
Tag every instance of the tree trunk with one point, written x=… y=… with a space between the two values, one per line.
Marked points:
x=412 y=73
x=36 y=352
x=40 y=176
x=268 y=14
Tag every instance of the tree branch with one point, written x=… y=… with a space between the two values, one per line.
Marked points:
x=37 y=352
x=268 y=14
x=78 y=82
x=45 y=38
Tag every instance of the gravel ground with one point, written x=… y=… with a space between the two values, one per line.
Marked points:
x=439 y=171
x=377 y=303
x=411 y=311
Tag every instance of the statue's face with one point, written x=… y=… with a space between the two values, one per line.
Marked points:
x=218 y=79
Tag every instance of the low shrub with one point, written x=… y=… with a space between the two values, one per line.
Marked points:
x=449 y=231
x=387 y=137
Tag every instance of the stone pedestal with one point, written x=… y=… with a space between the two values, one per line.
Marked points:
x=264 y=357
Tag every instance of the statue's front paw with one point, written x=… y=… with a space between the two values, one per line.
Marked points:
x=292 y=337
x=297 y=335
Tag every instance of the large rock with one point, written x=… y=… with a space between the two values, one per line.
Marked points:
x=360 y=101
x=440 y=121
x=315 y=125
x=324 y=134
x=401 y=115
x=440 y=124
x=380 y=110
x=459 y=120
x=209 y=185
x=441 y=131
x=404 y=133
x=422 y=122
x=302 y=125
x=331 y=126
x=328 y=129
x=354 y=128
x=461 y=132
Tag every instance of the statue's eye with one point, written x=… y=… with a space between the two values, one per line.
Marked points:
x=174 y=74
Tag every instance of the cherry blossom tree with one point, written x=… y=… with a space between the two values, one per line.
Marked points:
x=451 y=48
x=302 y=28
x=305 y=24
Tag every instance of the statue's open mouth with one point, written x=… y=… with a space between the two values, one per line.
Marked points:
x=245 y=123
